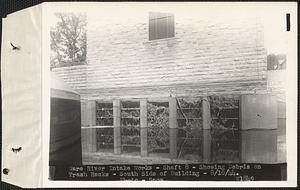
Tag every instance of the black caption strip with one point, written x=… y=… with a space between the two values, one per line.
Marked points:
x=171 y=172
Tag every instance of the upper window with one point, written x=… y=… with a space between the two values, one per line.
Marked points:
x=161 y=25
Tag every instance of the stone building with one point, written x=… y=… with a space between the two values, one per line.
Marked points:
x=164 y=57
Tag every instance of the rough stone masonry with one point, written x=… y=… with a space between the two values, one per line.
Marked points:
x=205 y=57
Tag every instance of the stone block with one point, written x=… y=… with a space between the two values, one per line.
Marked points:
x=259 y=146
x=258 y=112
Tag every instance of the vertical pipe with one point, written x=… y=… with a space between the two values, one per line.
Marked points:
x=84 y=124
x=143 y=123
x=83 y=105
x=241 y=144
x=91 y=121
x=173 y=127
x=117 y=126
x=206 y=119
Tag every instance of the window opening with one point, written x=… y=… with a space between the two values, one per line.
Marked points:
x=161 y=25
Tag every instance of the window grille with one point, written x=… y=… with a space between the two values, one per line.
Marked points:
x=225 y=128
x=104 y=114
x=189 y=135
x=158 y=128
x=161 y=25
x=130 y=127
x=104 y=130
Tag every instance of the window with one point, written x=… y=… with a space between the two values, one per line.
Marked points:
x=161 y=25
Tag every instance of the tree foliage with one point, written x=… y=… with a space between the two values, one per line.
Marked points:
x=68 y=40
x=276 y=62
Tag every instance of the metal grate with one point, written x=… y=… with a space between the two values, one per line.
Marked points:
x=105 y=139
x=158 y=128
x=225 y=128
x=105 y=135
x=104 y=114
x=130 y=127
x=189 y=135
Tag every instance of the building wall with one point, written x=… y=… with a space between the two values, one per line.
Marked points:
x=75 y=76
x=277 y=86
x=206 y=56
x=276 y=83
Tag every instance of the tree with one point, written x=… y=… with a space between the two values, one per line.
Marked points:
x=276 y=62
x=272 y=62
x=68 y=40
